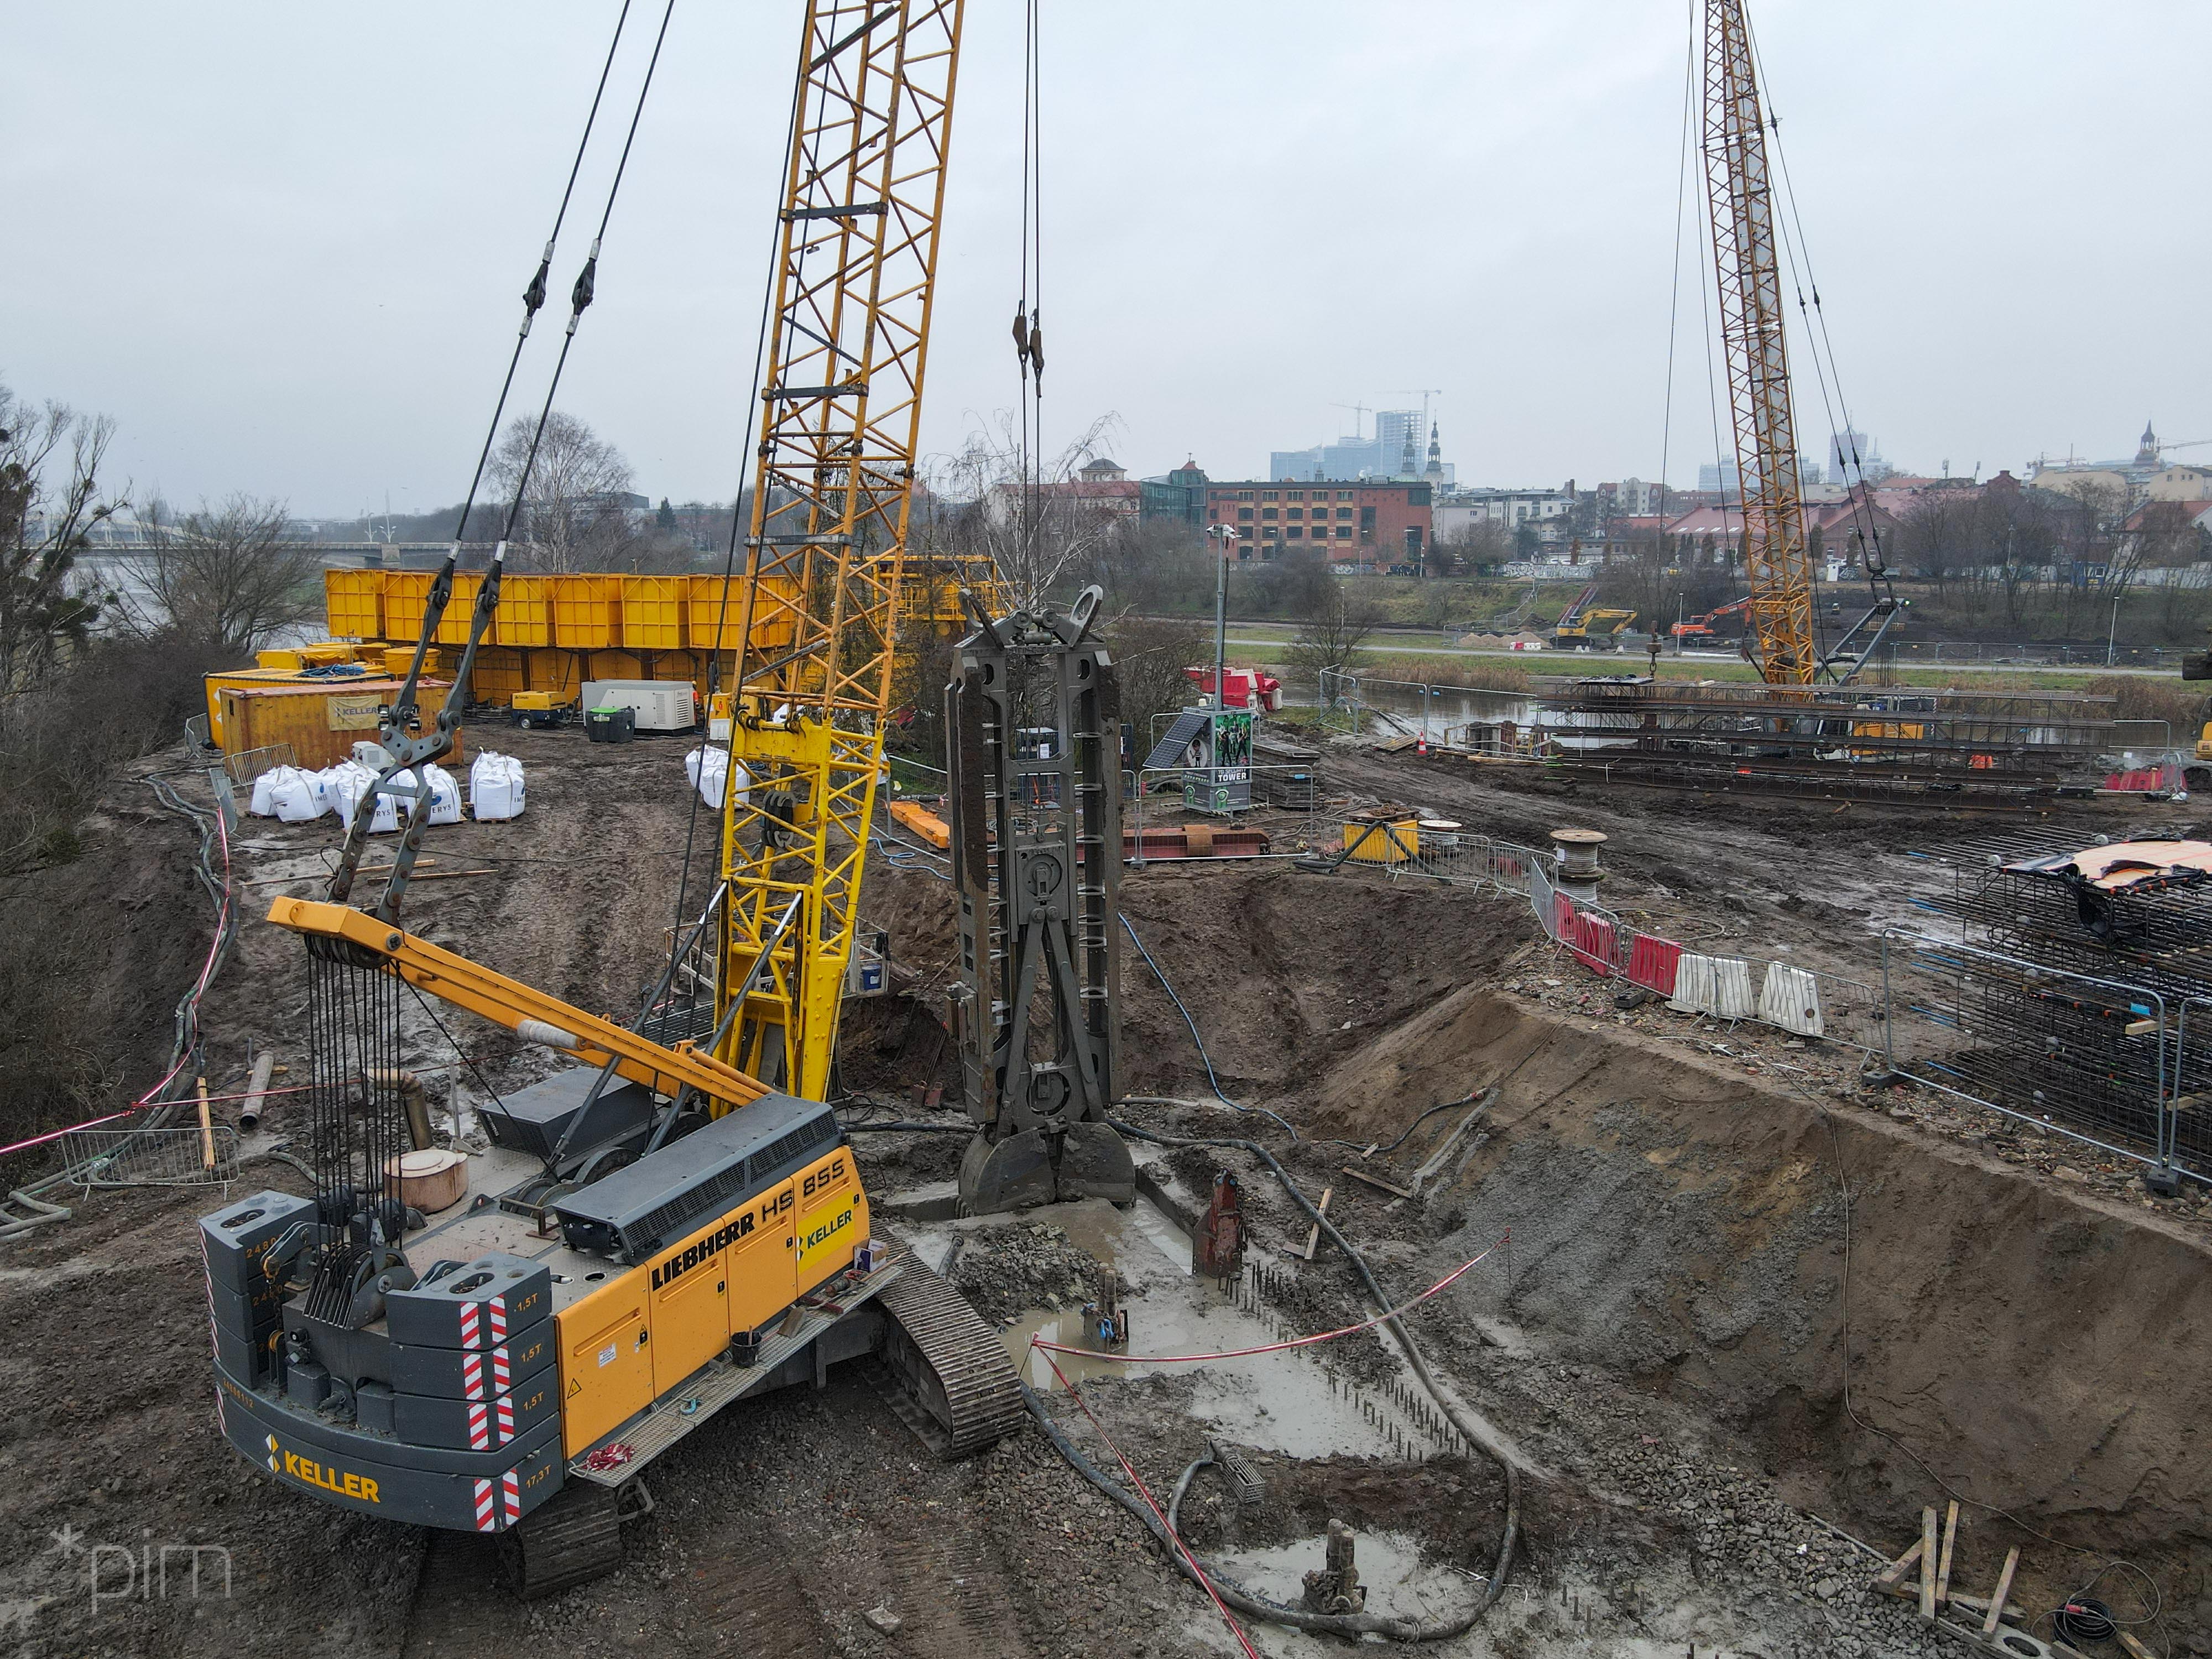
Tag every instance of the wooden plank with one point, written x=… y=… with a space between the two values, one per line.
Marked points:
x=2133 y=1649
x=207 y=1130
x=1908 y=1592
x=1893 y=1575
x=1313 y=1237
x=1377 y=1180
x=2004 y=1589
x=1950 y=1542
x=1928 y=1564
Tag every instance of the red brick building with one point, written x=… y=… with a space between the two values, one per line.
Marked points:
x=1361 y=521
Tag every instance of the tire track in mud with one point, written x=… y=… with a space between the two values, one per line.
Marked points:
x=754 y=1602
x=954 y=1595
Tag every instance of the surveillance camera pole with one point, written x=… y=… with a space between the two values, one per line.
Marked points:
x=1220 y=534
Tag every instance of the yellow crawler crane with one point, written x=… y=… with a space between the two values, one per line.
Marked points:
x=1740 y=198
x=834 y=490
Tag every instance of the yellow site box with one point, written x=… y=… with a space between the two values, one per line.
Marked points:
x=460 y=610
x=497 y=674
x=587 y=613
x=354 y=602
x=525 y=610
x=653 y=612
x=774 y=626
x=405 y=594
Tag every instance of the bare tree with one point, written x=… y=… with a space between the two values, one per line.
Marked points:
x=46 y=610
x=1019 y=509
x=1484 y=546
x=1150 y=654
x=572 y=516
x=1335 y=626
x=225 y=577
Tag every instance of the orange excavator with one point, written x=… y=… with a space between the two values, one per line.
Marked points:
x=1700 y=631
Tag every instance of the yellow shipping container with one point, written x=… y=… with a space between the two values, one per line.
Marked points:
x=291 y=659
x=214 y=685
x=615 y=666
x=405 y=594
x=652 y=612
x=587 y=613
x=497 y=675
x=773 y=627
x=354 y=602
x=453 y=626
x=557 y=672
x=321 y=720
x=525 y=610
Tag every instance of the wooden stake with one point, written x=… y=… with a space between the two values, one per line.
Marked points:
x=1950 y=1541
x=1893 y=1575
x=207 y=1131
x=1313 y=1237
x=1928 y=1564
x=2004 y=1589
x=1376 y=1181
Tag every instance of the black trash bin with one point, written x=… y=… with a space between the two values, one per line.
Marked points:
x=611 y=725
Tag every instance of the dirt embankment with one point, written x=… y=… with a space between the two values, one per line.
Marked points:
x=2041 y=1350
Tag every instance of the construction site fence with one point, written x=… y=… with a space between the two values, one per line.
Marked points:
x=187 y=1156
x=1804 y=1001
x=2116 y=1066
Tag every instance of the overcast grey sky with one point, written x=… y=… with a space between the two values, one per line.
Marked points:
x=282 y=244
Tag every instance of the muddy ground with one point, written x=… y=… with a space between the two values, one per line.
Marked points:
x=1663 y=1338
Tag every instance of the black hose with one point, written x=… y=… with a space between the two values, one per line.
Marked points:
x=1477 y=1434
x=1182 y=1488
x=1234 y=1594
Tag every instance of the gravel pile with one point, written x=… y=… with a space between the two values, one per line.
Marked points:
x=1006 y=1271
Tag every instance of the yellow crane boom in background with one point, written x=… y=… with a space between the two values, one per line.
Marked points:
x=1740 y=198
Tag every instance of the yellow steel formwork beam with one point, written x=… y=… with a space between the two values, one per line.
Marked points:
x=855 y=279
x=1739 y=194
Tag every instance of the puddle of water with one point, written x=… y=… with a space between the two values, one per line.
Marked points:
x=1285 y=1402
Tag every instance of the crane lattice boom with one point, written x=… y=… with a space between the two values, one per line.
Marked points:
x=1739 y=195
x=856 y=276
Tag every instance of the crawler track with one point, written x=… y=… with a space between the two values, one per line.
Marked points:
x=953 y=1384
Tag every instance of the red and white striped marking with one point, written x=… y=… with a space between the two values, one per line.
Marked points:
x=491 y=1424
x=484 y=1374
x=499 y=1503
x=477 y=1317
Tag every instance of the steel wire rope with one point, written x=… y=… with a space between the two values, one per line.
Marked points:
x=533 y=295
x=1674 y=274
x=1800 y=258
x=586 y=285
x=739 y=517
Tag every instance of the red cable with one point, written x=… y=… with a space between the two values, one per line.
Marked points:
x=1145 y=1491
x=1272 y=1347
